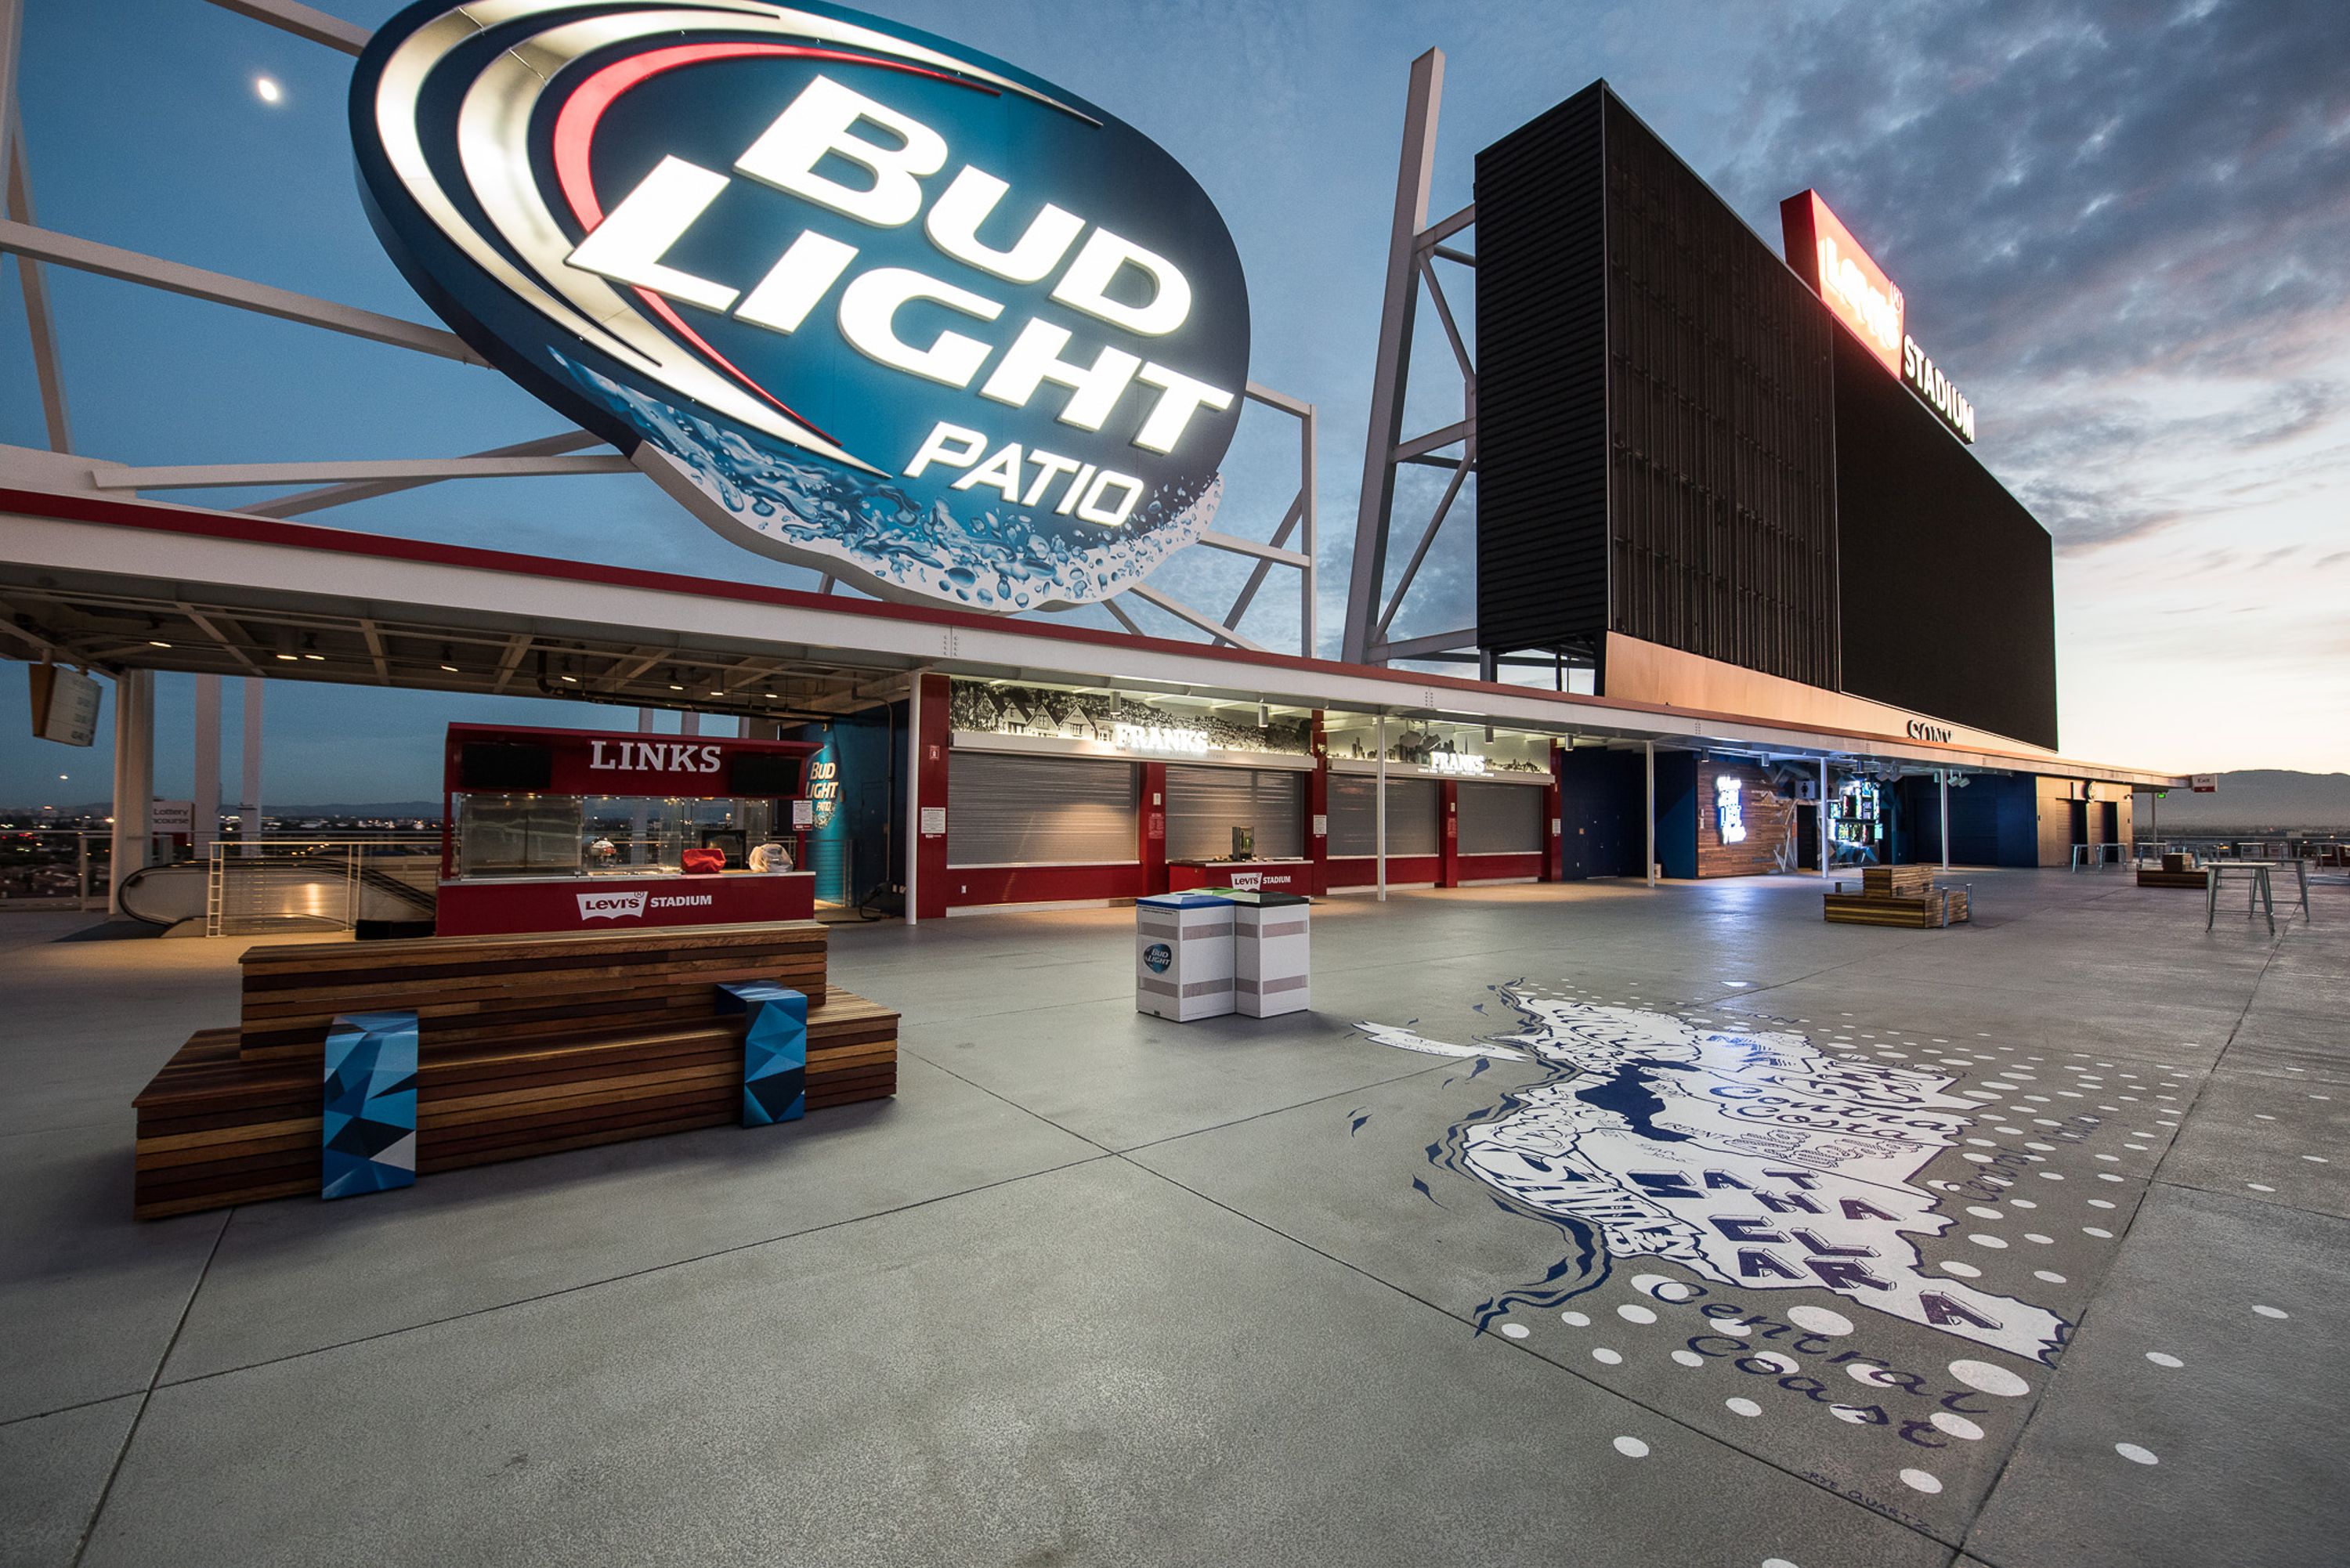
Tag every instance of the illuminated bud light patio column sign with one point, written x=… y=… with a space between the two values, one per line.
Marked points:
x=1730 y=808
x=861 y=299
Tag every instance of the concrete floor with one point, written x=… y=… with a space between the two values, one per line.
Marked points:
x=1100 y=1289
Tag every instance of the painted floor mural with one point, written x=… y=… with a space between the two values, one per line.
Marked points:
x=1774 y=1156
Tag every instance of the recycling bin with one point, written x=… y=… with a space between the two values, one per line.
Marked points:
x=1184 y=956
x=1270 y=954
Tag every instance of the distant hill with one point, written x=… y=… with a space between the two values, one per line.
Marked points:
x=2264 y=797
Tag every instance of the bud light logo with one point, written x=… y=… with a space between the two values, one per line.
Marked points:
x=1157 y=957
x=859 y=298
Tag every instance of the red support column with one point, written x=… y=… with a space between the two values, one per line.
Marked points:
x=1447 y=844
x=1554 y=843
x=1317 y=811
x=930 y=780
x=1150 y=847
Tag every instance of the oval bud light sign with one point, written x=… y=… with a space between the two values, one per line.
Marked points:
x=861 y=299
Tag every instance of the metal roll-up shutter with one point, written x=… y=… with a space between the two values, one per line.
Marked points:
x=1411 y=816
x=1039 y=811
x=1205 y=804
x=1501 y=819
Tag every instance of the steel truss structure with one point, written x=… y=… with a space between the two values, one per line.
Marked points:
x=564 y=452
x=1414 y=247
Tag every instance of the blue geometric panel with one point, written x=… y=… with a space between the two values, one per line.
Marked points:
x=774 y=1048
x=369 y=1141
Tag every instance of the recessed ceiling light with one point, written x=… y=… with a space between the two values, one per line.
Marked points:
x=574 y=679
x=320 y=657
x=153 y=643
x=674 y=687
x=266 y=90
x=450 y=668
x=288 y=657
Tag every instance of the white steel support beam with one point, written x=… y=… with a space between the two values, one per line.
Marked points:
x=12 y=40
x=1419 y=551
x=176 y=277
x=1827 y=854
x=1390 y=372
x=343 y=494
x=1942 y=779
x=303 y=22
x=1186 y=614
x=248 y=776
x=1422 y=647
x=40 y=322
x=223 y=476
x=203 y=823
x=1239 y=546
x=1380 y=810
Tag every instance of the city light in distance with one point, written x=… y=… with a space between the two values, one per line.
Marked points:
x=266 y=90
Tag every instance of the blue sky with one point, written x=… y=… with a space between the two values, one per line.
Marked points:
x=2122 y=228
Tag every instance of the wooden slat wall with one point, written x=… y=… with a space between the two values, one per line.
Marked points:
x=528 y=1045
x=1768 y=816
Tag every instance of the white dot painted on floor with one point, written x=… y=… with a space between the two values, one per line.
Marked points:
x=2114 y=1157
x=1990 y=1379
x=2159 y=1360
x=2110 y=1175
x=1777 y=1563
x=1606 y=1357
x=1785 y=1366
x=1723 y=1326
x=1952 y=1266
x=2262 y=1115
x=2320 y=1096
x=2041 y=1148
x=2101 y=1203
x=1980 y=1212
x=1854 y=1414
x=1957 y=1425
x=1516 y=1329
x=2036 y=1237
x=2136 y=1454
x=2260 y=1186
x=1819 y=1320
x=1688 y=1358
x=2272 y=1312
x=1632 y=1447
x=2316 y=1159
x=1661 y=1286
x=2138 y=1148
x=1631 y=1314
x=2053 y=1279
x=2049 y=1175
x=1861 y=1372
x=2021 y=1203
x=1744 y=1407
x=2100 y=1235
x=1574 y=1320
x=1918 y=1481
x=1979 y=1240
x=1979 y=1157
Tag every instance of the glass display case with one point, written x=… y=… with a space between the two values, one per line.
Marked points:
x=550 y=830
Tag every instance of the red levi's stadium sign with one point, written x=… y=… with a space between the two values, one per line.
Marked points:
x=1845 y=278
x=1855 y=290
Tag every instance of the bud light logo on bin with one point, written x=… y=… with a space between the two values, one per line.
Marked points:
x=1158 y=956
x=859 y=298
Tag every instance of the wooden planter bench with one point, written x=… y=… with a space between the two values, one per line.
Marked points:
x=1898 y=896
x=525 y=1045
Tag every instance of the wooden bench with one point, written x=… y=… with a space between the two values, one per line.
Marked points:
x=1896 y=896
x=526 y=1045
x=2177 y=870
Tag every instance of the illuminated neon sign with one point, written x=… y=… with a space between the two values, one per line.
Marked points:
x=1856 y=291
x=1159 y=738
x=1730 y=808
x=857 y=297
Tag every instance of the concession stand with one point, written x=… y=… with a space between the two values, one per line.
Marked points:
x=573 y=830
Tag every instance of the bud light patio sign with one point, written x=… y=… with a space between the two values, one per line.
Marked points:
x=859 y=297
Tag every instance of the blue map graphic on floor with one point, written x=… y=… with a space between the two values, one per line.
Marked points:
x=1753 y=1159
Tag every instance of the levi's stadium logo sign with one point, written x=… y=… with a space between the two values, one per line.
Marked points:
x=859 y=297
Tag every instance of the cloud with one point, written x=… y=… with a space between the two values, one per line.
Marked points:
x=2123 y=227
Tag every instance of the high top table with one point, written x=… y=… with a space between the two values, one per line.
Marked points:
x=2259 y=895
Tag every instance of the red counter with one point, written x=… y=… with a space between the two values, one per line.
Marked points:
x=1245 y=876
x=488 y=906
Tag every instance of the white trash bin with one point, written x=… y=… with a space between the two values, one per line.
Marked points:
x=1184 y=956
x=1270 y=954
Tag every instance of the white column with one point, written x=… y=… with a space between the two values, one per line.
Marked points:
x=1380 y=811
x=134 y=777
x=1649 y=856
x=205 y=818
x=913 y=789
x=248 y=778
x=1944 y=775
x=1827 y=853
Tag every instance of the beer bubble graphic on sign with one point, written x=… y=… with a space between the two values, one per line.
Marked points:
x=859 y=298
